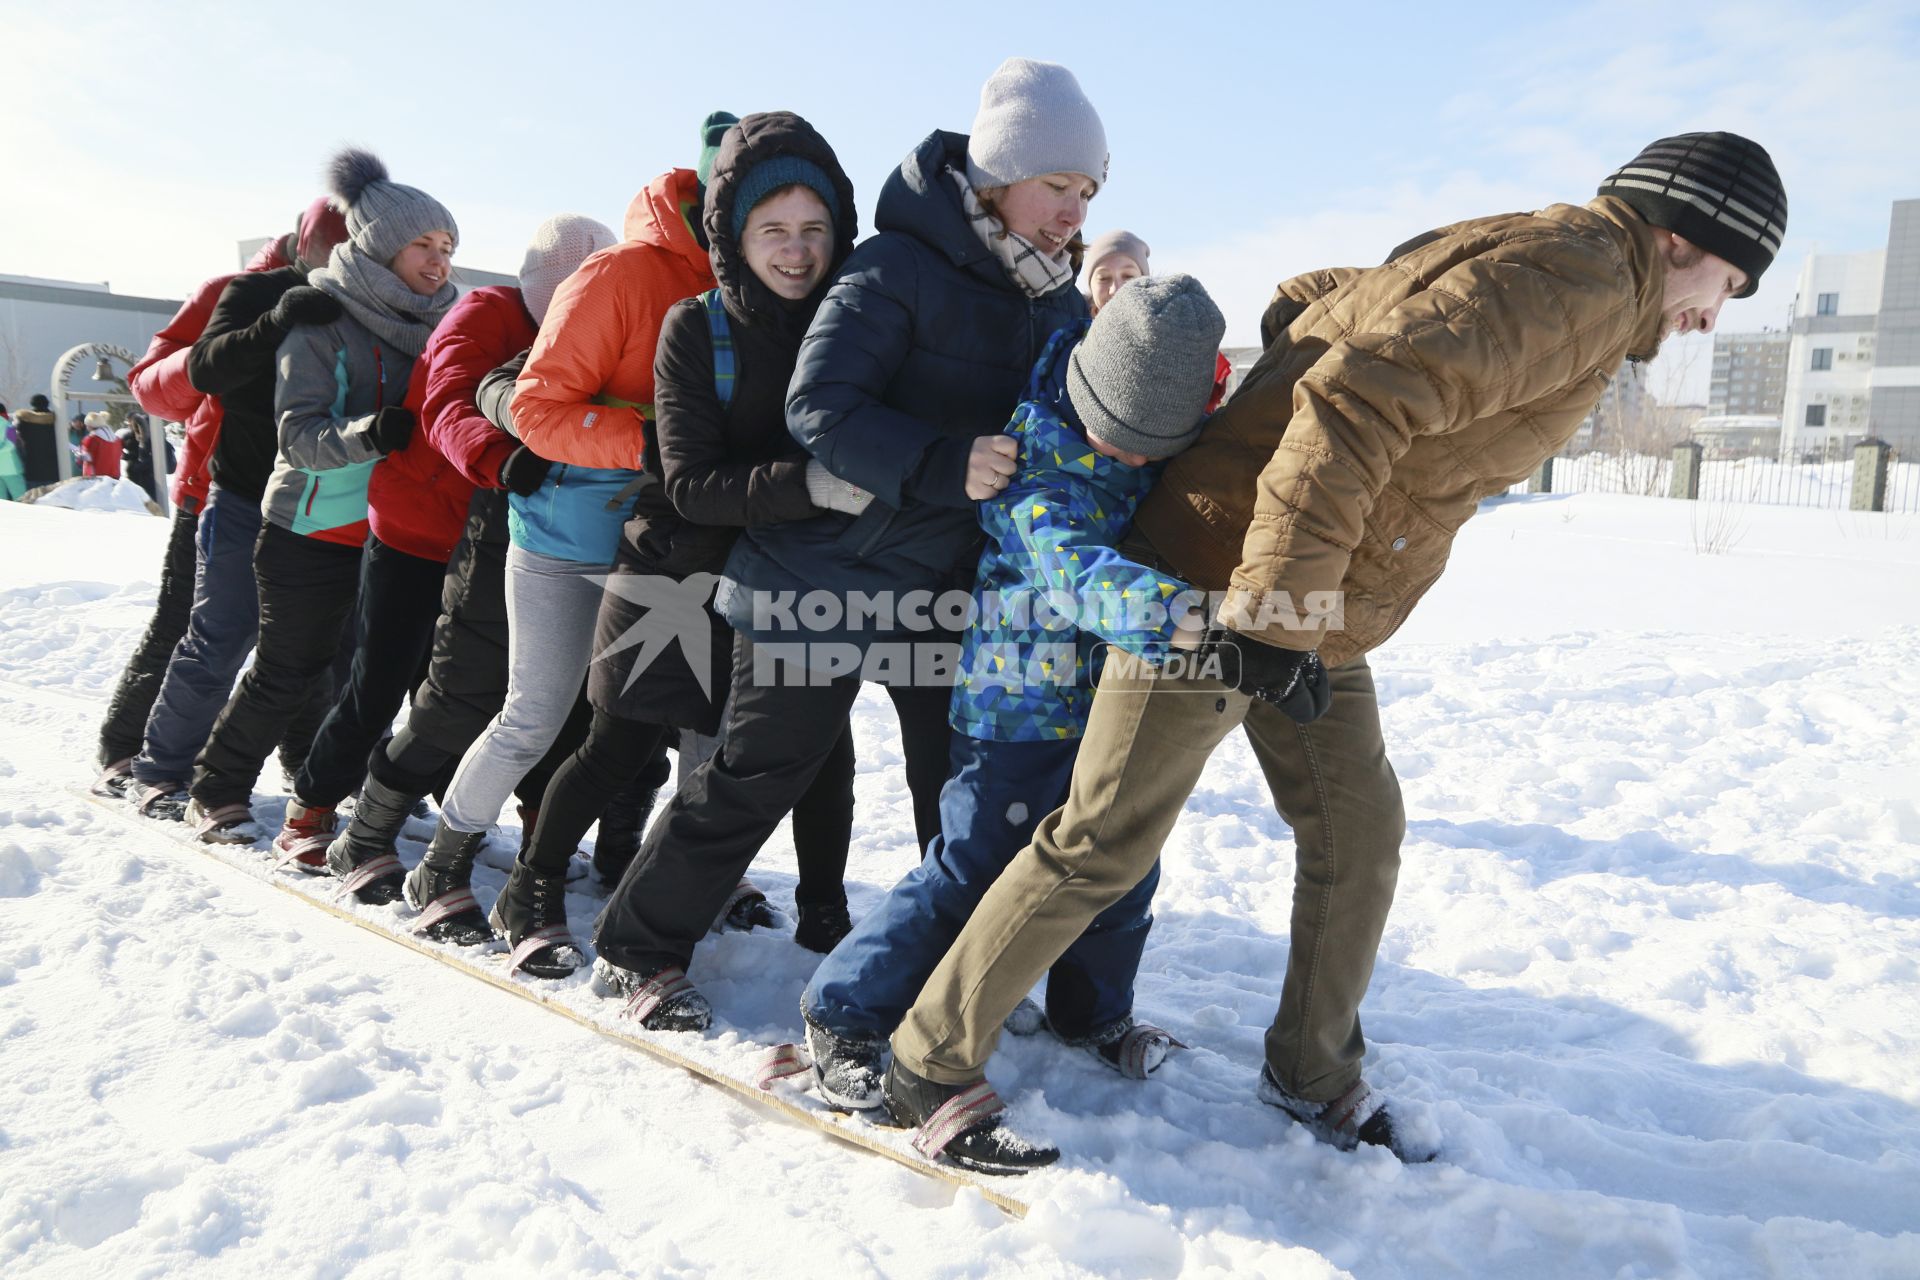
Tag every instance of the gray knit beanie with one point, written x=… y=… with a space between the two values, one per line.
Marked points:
x=383 y=216
x=1034 y=119
x=1122 y=243
x=559 y=246
x=1140 y=378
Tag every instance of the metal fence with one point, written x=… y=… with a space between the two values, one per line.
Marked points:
x=1763 y=480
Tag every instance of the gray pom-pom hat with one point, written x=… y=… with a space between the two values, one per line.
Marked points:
x=383 y=216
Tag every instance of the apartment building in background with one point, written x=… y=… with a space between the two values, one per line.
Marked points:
x=1853 y=363
x=1749 y=373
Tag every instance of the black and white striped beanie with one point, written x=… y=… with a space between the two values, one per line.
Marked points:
x=1718 y=190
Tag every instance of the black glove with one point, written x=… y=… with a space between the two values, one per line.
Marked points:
x=523 y=471
x=1293 y=680
x=304 y=304
x=392 y=429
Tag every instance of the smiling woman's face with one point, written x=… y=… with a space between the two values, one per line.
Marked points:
x=425 y=265
x=1105 y=281
x=788 y=242
x=1046 y=210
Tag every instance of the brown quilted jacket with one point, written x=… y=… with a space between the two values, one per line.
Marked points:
x=1388 y=402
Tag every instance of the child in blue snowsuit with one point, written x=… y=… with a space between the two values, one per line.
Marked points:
x=1050 y=594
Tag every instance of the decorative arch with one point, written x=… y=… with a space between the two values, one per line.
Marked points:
x=59 y=393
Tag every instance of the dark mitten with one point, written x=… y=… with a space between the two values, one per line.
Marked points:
x=1304 y=699
x=1294 y=680
x=392 y=429
x=304 y=304
x=523 y=471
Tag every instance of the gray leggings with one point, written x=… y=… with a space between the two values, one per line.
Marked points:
x=552 y=606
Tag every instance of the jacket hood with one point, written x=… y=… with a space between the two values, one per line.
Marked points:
x=659 y=216
x=270 y=256
x=758 y=138
x=921 y=201
x=320 y=224
x=1635 y=238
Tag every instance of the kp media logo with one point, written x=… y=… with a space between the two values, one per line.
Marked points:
x=675 y=613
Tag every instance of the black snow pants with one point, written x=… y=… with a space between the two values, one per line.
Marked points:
x=126 y=724
x=776 y=740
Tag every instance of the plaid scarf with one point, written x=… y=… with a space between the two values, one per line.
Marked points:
x=1034 y=272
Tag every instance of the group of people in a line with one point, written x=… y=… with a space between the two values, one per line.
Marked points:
x=689 y=486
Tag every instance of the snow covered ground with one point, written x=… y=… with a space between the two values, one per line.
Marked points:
x=1654 y=972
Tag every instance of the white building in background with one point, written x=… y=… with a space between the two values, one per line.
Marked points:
x=41 y=320
x=1737 y=435
x=1830 y=364
x=1625 y=419
x=1853 y=370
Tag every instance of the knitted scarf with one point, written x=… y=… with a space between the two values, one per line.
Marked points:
x=380 y=300
x=1034 y=272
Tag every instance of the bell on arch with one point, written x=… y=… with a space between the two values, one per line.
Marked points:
x=103 y=370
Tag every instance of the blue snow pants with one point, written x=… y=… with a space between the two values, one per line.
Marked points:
x=996 y=794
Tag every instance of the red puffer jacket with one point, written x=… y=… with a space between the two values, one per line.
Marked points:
x=417 y=498
x=159 y=381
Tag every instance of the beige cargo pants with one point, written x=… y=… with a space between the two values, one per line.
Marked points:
x=1147 y=742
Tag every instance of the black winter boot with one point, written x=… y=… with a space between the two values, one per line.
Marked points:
x=621 y=827
x=660 y=1000
x=378 y=815
x=363 y=855
x=960 y=1122
x=441 y=889
x=847 y=1068
x=531 y=914
x=529 y=820
x=746 y=908
x=822 y=925
x=1357 y=1116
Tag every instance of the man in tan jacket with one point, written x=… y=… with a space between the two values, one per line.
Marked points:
x=1323 y=500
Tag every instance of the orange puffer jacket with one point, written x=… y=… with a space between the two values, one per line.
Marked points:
x=587 y=390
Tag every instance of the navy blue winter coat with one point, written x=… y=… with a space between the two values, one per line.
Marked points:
x=922 y=344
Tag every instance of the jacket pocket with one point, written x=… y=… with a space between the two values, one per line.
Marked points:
x=338 y=502
x=866 y=530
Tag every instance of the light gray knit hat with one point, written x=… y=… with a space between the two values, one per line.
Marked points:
x=559 y=246
x=1124 y=243
x=383 y=216
x=1034 y=119
x=1140 y=378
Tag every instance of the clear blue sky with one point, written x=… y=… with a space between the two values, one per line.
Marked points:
x=1249 y=141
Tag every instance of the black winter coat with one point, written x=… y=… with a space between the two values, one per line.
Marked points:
x=235 y=360
x=722 y=468
x=922 y=344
